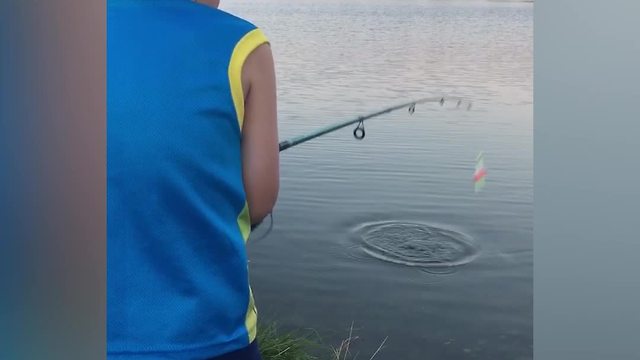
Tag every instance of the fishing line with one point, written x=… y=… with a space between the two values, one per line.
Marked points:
x=267 y=232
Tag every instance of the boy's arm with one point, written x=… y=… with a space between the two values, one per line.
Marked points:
x=260 y=153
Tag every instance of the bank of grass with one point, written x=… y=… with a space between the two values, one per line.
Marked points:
x=278 y=345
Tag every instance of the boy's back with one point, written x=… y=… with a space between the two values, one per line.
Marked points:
x=177 y=210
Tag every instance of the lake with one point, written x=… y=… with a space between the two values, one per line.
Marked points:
x=359 y=224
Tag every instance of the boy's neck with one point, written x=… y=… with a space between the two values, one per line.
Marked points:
x=212 y=3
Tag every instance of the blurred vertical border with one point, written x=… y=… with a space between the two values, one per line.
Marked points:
x=586 y=171
x=52 y=179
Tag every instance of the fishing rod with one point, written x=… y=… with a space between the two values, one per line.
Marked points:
x=358 y=132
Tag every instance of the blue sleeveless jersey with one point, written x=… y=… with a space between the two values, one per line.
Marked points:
x=177 y=218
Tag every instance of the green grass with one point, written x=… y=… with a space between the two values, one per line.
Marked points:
x=275 y=345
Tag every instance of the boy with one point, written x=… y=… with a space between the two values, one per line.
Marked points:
x=192 y=163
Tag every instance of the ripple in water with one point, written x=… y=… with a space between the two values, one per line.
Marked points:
x=415 y=244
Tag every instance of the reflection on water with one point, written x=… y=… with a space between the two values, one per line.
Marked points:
x=338 y=59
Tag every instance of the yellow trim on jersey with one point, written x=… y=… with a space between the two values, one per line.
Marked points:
x=244 y=222
x=251 y=318
x=241 y=52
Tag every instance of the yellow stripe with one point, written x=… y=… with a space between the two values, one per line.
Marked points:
x=244 y=222
x=243 y=48
x=251 y=318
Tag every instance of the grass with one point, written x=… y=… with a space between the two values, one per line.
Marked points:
x=275 y=345
x=288 y=346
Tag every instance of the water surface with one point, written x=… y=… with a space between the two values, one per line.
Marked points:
x=339 y=59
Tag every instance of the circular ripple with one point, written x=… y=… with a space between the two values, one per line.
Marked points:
x=415 y=244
